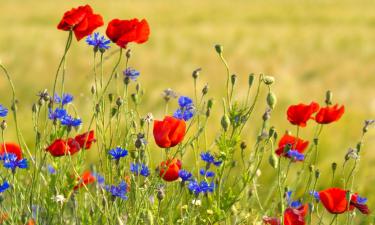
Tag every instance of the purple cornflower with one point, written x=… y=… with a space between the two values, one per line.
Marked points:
x=295 y=155
x=207 y=173
x=66 y=99
x=203 y=187
x=210 y=159
x=99 y=179
x=11 y=162
x=293 y=204
x=131 y=73
x=361 y=200
x=51 y=169
x=186 y=110
x=184 y=175
x=4 y=186
x=59 y=113
x=69 y=121
x=3 y=111
x=315 y=194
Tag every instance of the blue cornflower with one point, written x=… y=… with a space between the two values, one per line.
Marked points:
x=66 y=98
x=4 y=186
x=119 y=191
x=206 y=187
x=315 y=194
x=293 y=204
x=141 y=169
x=98 y=42
x=295 y=155
x=51 y=169
x=194 y=187
x=361 y=200
x=207 y=173
x=11 y=162
x=3 y=111
x=118 y=153
x=209 y=158
x=69 y=121
x=99 y=178
x=184 y=175
x=57 y=114
x=131 y=73
x=186 y=110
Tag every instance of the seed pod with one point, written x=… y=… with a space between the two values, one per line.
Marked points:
x=205 y=89
x=268 y=80
x=210 y=103
x=334 y=166
x=243 y=145
x=3 y=125
x=251 y=79
x=93 y=89
x=225 y=122
x=328 y=100
x=128 y=53
x=219 y=49
x=110 y=97
x=271 y=100
x=119 y=101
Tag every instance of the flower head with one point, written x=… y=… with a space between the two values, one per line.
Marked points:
x=123 y=32
x=169 y=132
x=58 y=114
x=169 y=169
x=51 y=169
x=81 y=20
x=119 y=191
x=86 y=178
x=131 y=73
x=118 y=153
x=288 y=142
x=210 y=159
x=168 y=94
x=99 y=42
x=295 y=155
x=329 y=114
x=85 y=140
x=11 y=162
x=9 y=147
x=301 y=113
x=186 y=109
x=69 y=121
x=66 y=98
x=139 y=169
x=3 y=111
x=185 y=175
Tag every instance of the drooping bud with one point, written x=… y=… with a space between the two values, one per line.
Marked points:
x=196 y=73
x=219 y=49
x=205 y=89
x=271 y=100
x=3 y=125
x=243 y=145
x=128 y=53
x=251 y=79
x=233 y=79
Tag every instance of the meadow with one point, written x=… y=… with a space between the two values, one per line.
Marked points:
x=309 y=47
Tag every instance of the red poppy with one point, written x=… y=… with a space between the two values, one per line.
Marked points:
x=81 y=20
x=169 y=169
x=85 y=179
x=271 y=220
x=9 y=147
x=301 y=113
x=295 y=143
x=30 y=222
x=123 y=32
x=85 y=140
x=335 y=201
x=58 y=148
x=329 y=114
x=295 y=216
x=169 y=132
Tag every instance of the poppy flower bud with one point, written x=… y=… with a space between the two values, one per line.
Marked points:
x=225 y=122
x=334 y=166
x=251 y=79
x=273 y=161
x=126 y=80
x=160 y=194
x=271 y=100
x=243 y=145
x=233 y=79
x=210 y=103
x=34 y=108
x=328 y=99
x=119 y=101
x=3 y=125
x=110 y=97
x=205 y=89
x=93 y=89
x=135 y=98
x=317 y=173
x=196 y=73
x=268 y=80
x=128 y=53
x=219 y=49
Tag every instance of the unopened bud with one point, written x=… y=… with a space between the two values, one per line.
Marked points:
x=268 y=80
x=273 y=161
x=233 y=79
x=110 y=97
x=225 y=122
x=126 y=80
x=267 y=114
x=135 y=98
x=160 y=194
x=138 y=87
x=271 y=100
x=251 y=79
x=271 y=132
x=334 y=166
x=34 y=108
x=3 y=125
x=128 y=53
x=119 y=101
x=196 y=73
x=210 y=103
x=243 y=145
x=328 y=100
x=219 y=49
x=93 y=89
x=205 y=89
x=317 y=173
x=97 y=108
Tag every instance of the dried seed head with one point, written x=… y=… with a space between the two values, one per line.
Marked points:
x=205 y=89
x=328 y=99
x=268 y=80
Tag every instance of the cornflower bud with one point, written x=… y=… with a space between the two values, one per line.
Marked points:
x=205 y=89
x=251 y=79
x=3 y=125
x=196 y=73
x=134 y=98
x=243 y=145
x=233 y=79
x=110 y=97
x=328 y=99
x=119 y=101
x=317 y=173
x=93 y=89
x=273 y=161
x=267 y=114
x=128 y=53
x=225 y=122
x=126 y=80
x=334 y=166
x=34 y=108
x=210 y=103
x=219 y=49
x=160 y=194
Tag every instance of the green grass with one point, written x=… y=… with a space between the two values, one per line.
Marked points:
x=309 y=46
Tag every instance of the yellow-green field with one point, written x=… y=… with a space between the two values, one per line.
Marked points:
x=309 y=46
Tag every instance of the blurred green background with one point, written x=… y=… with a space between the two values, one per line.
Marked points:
x=309 y=46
